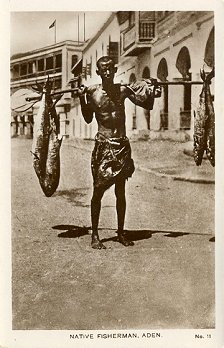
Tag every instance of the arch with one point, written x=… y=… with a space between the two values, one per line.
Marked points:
x=146 y=73
x=132 y=78
x=209 y=50
x=183 y=62
x=162 y=71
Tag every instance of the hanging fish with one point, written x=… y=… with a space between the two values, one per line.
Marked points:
x=210 y=150
x=200 y=118
x=47 y=142
x=204 y=129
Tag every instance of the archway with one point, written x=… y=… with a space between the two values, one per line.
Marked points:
x=146 y=75
x=132 y=79
x=183 y=65
x=162 y=73
x=209 y=56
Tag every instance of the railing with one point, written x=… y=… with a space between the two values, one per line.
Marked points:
x=38 y=73
x=146 y=30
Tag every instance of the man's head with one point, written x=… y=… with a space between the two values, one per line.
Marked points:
x=106 y=68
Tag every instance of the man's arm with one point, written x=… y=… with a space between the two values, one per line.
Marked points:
x=143 y=93
x=87 y=111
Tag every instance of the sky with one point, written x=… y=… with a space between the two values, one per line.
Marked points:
x=30 y=30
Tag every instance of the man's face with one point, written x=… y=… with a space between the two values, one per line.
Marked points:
x=106 y=71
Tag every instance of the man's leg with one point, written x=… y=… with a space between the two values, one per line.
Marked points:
x=121 y=208
x=95 y=214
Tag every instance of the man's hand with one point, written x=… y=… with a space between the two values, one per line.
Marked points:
x=82 y=91
x=157 y=90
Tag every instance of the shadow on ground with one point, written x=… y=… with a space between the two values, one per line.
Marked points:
x=73 y=231
x=74 y=196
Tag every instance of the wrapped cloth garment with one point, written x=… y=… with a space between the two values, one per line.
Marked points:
x=111 y=160
x=145 y=92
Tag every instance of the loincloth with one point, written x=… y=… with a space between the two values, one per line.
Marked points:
x=111 y=160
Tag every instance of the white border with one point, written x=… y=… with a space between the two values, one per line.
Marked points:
x=60 y=339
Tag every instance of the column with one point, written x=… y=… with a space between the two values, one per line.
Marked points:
x=13 y=126
x=176 y=100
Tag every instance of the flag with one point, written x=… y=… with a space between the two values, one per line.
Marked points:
x=53 y=24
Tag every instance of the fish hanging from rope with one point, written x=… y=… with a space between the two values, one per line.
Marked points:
x=46 y=141
x=204 y=123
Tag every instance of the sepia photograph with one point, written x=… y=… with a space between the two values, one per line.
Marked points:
x=113 y=220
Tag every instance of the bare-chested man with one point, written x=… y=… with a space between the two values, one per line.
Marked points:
x=111 y=157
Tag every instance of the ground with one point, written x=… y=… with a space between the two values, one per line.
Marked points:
x=166 y=280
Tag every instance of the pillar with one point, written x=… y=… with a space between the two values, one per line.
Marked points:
x=176 y=100
x=14 y=126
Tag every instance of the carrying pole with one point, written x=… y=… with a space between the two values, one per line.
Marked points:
x=165 y=83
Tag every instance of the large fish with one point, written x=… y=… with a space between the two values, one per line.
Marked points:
x=47 y=143
x=204 y=129
x=210 y=150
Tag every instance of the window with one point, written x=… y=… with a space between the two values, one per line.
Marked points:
x=49 y=63
x=40 y=65
x=113 y=51
x=16 y=71
x=23 y=69
x=30 y=67
x=58 y=63
x=74 y=60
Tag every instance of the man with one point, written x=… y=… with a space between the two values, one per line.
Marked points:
x=111 y=157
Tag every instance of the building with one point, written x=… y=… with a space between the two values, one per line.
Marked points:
x=105 y=42
x=33 y=67
x=167 y=45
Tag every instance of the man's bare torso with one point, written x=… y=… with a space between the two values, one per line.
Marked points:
x=108 y=106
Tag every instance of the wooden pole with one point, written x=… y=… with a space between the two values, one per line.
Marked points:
x=78 y=29
x=165 y=83
x=84 y=28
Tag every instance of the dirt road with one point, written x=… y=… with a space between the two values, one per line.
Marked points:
x=166 y=280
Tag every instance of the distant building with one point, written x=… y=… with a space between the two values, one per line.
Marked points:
x=167 y=45
x=34 y=66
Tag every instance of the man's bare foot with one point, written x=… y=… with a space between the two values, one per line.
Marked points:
x=97 y=244
x=122 y=238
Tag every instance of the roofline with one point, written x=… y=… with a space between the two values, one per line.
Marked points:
x=58 y=44
x=100 y=31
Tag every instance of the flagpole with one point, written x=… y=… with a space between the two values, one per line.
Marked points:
x=78 y=29
x=51 y=26
x=55 y=33
x=84 y=29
